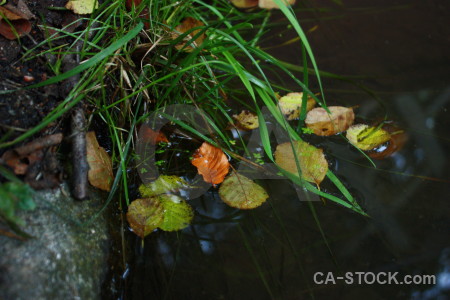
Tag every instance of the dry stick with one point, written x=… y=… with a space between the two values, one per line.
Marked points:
x=80 y=165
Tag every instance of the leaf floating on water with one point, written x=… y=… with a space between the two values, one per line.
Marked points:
x=269 y=4
x=145 y=215
x=246 y=120
x=186 y=26
x=240 y=192
x=211 y=163
x=291 y=105
x=366 y=138
x=325 y=124
x=164 y=184
x=151 y=136
x=100 y=172
x=82 y=7
x=245 y=3
x=311 y=160
x=398 y=138
x=178 y=214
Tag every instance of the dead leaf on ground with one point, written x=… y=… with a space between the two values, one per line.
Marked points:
x=246 y=120
x=241 y=192
x=186 y=26
x=100 y=173
x=211 y=163
x=366 y=137
x=270 y=4
x=153 y=137
x=324 y=124
x=82 y=7
x=14 y=20
x=312 y=162
x=291 y=105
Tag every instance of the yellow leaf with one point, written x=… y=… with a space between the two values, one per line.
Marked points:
x=367 y=138
x=240 y=192
x=312 y=162
x=82 y=7
x=100 y=172
x=325 y=124
x=164 y=184
x=291 y=105
x=177 y=213
x=145 y=215
x=246 y=120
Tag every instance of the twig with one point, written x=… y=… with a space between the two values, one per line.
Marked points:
x=80 y=165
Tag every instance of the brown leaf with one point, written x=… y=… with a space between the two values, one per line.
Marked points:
x=151 y=136
x=311 y=160
x=16 y=24
x=211 y=163
x=145 y=215
x=100 y=172
x=244 y=3
x=269 y=4
x=241 y=192
x=324 y=124
x=186 y=26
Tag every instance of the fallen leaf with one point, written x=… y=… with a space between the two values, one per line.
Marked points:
x=240 y=192
x=151 y=136
x=269 y=4
x=186 y=26
x=82 y=7
x=325 y=124
x=164 y=184
x=366 y=138
x=145 y=215
x=100 y=173
x=244 y=3
x=395 y=143
x=291 y=105
x=211 y=163
x=311 y=160
x=14 y=20
x=246 y=120
x=177 y=213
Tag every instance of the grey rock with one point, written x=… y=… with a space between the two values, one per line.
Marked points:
x=66 y=259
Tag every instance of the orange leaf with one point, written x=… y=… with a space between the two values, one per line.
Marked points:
x=100 y=172
x=151 y=136
x=211 y=163
x=186 y=26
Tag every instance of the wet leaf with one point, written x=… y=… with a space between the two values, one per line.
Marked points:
x=291 y=105
x=186 y=26
x=82 y=7
x=395 y=143
x=211 y=163
x=164 y=184
x=14 y=20
x=244 y=3
x=178 y=214
x=325 y=124
x=145 y=215
x=367 y=138
x=100 y=172
x=240 y=192
x=246 y=120
x=269 y=4
x=151 y=136
x=311 y=160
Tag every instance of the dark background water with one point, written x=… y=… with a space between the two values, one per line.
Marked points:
x=403 y=50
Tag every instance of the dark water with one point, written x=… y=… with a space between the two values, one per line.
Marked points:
x=273 y=252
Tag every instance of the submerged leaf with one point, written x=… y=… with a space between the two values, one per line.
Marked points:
x=186 y=26
x=291 y=105
x=82 y=7
x=211 y=163
x=164 y=184
x=145 y=215
x=178 y=213
x=100 y=172
x=325 y=124
x=246 y=120
x=240 y=192
x=311 y=160
x=151 y=136
x=366 y=138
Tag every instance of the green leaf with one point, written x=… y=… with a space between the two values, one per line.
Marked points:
x=178 y=214
x=240 y=192
x=145 y=215
x=15 y=196
x=366 y=138
x=164 y=184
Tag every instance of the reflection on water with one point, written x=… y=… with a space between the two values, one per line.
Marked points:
x=274 y=251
